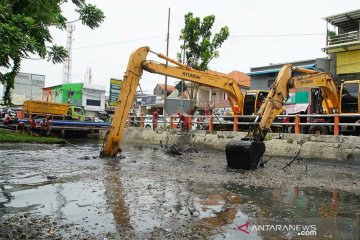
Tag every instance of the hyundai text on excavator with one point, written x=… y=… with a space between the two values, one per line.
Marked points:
x=138 y=63
x=247 y=153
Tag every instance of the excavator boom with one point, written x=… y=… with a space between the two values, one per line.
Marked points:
x=246 y=154
x=128 y=89
x=138 y=63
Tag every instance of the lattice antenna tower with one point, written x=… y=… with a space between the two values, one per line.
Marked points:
x=67 y=63
x=88 y=76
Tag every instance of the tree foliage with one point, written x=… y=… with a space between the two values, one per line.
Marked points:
x=24 y=30
x=199 y=44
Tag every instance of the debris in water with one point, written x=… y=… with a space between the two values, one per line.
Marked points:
x=173 y=150
x=50 y=177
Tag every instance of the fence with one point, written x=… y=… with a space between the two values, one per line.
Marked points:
x=344 y=38
x=298 y=123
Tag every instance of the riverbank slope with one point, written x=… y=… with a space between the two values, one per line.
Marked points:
x=312 y=147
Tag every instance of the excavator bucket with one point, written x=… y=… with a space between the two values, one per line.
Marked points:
x=244 y=154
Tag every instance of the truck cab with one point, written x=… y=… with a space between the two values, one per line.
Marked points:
x=76 y=113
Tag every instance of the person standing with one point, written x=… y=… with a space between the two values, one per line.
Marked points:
x=285 y=121
x=198 y=124
x=32 y=125
x=48 y=126
x=42 y=126
x=6 y=119
x=155 y=118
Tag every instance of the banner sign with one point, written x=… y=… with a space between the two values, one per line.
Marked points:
x=148 y=100
x=115 y=86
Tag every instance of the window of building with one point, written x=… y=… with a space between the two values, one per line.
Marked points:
x=92 y=102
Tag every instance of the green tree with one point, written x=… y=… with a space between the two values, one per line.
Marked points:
x=24 y=30
x=200 y=45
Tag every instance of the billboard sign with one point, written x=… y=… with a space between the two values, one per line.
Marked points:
x=148 y=100
x=115 y=86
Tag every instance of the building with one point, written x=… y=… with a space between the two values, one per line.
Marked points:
x=299 y=99
x=343 y=44
x=208 y=98
x=27 y=86
x=343 y=62
x=91 y=97
x=263 y=77
x=159 y=89
x=65 y=93
x=175 y=101
x=205 y=97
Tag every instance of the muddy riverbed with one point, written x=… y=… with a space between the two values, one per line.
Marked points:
x=67 y=192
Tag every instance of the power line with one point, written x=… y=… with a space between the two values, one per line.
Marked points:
x=270 y=35
x=177 y=35
x=117 y=43
x=277 y=35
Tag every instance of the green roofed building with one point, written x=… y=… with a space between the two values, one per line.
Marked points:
x=91 y=97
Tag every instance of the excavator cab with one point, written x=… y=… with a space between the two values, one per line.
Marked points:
x=350 y=91
x=253 y=100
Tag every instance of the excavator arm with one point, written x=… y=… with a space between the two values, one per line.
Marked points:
x=203 y=78
x=128 y=89
x=138 y=63
x=247 y=153
x=279 y=92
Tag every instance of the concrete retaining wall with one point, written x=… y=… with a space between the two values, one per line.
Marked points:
x=341 y=148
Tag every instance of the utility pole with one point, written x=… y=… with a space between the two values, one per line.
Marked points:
x=167 y=54
x=67 y=63
x=182 y=84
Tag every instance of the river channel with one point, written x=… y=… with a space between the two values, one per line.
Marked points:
x=67 y=192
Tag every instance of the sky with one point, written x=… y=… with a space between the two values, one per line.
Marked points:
x=261 y=32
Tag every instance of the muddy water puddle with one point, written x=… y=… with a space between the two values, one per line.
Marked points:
x=66 y=192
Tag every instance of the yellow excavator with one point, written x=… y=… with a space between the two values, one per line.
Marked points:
x=247 y=153
x=138 y=63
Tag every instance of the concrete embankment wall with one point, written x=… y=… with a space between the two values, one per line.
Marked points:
x=341 y=148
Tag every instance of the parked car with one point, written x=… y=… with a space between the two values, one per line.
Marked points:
x=8 y=110
x=93 y=119
x=219 y=124
x=102 y=115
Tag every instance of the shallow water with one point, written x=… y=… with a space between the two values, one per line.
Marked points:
x=68 y=192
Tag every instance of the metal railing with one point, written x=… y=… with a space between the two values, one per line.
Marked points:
x=236 y=123
x=344 y=38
